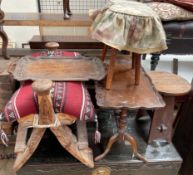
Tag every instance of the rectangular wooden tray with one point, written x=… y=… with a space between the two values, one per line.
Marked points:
x=59 y=68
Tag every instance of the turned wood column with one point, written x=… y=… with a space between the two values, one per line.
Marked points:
x=122 y=123
x=3 y=35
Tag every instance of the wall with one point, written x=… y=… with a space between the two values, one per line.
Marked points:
x=20 y=34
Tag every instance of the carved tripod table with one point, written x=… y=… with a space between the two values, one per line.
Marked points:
x=123 y=96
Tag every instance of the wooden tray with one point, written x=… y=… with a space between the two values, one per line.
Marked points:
x=59 y=68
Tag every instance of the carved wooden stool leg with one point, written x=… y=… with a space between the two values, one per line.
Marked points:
x=70 y=143
x=83 y=139
x=20 y=144
x=104 y=53
x=110 y=71
x=137 y=61
x=133 y=61
x=31 y=146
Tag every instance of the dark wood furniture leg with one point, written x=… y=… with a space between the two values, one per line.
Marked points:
x=162 y=121
x=3 y=35
x=65 y=9
x=154 y=61
x=104 y=52
x=137 y=64
x=68 y=7
x=133 y=61
x=122 y=135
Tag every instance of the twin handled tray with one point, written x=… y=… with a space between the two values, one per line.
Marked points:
x=59 y=68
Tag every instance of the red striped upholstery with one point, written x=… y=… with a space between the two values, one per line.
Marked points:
x=67 y=97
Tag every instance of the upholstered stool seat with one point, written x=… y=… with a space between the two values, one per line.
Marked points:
x=67 y=97
x=130 y=26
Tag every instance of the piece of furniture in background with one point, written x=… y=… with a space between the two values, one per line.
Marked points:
x=170 y=86
x=179 y=39
x=66 y=9
x=183 y=139
x=3 y=35
x=77 y=7
x=66 y=42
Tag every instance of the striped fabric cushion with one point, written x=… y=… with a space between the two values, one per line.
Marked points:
x=67 y=97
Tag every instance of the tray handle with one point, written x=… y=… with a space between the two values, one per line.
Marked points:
x=11 y=67
x=52 y=47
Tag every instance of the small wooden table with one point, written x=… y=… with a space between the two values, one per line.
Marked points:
x=125 y=95
x=170 y=86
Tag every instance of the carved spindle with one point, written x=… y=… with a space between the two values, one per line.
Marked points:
x=122 y=122
x=46 y=112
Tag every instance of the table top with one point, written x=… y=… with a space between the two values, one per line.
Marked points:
x=169 y=83
x=124 y=93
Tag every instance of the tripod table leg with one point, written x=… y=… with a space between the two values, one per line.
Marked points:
x=133 y=143
x=112 y=140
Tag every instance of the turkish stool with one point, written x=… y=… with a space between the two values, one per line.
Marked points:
x=45 y=104
x=170 y=86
